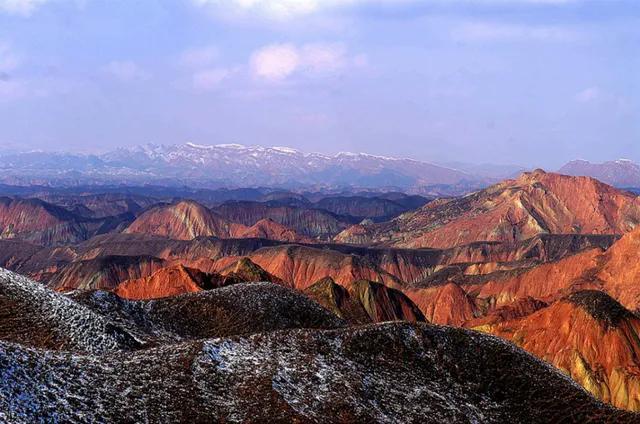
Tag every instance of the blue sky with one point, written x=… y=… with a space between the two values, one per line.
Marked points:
x=532 y=82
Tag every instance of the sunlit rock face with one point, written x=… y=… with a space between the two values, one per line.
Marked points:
x=535 y=203
x=589 y=336
x=184 y=220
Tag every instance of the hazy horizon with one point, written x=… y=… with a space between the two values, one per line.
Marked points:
x=534 y=83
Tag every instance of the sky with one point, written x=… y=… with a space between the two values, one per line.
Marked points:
x=528 y=82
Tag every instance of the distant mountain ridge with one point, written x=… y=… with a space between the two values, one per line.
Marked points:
x=236 y=166
x=231 y=165
x=620 y=173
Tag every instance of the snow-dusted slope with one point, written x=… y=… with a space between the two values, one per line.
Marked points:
x=237 y=309
x=35 y=316
x=385 y=373
x=292 y=361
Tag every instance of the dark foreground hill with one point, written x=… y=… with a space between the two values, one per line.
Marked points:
x=289 y=361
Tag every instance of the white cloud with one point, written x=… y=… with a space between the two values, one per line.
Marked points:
x=209 y=79
x=491 y=31
x=126 y=71
x=199 y=56
x=20 y=7
x=589 y=95
x=277 y=62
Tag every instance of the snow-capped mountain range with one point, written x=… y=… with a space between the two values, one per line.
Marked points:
x=236 y=165
x=619 y=173
x=232 y=165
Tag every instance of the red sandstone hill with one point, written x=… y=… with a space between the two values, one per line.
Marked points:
x=589 y=336
x=15 y=253
x=184 y=220
x=171 y=281
x=313 y=223
x=135 y=244
x=148 y=277
x=363 y=301
x=359 y=301
x=42 y=223
x=301 y=266
x=584 y=332
x=269 y=229
x=37 y=221
x=410 y=266
x=297 y=265
x=502 y=295
x=247 y=271
x=103 y=273
x=615 y=271
x=187 y=220
x=446 y=305
x=505 y=295
x=535 y=203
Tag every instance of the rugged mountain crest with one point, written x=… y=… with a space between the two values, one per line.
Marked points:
x=364 y=301
x=301 y=266
x=246 y=270
x=601 y=307
x=535 y=203
x=231 y=165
